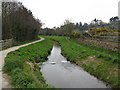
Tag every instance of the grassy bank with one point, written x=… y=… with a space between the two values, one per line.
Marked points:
x=22 y=66
x=100 y=62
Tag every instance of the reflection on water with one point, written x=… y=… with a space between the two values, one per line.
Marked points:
x=60 y=73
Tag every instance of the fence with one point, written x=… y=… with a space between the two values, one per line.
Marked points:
x=6 y=43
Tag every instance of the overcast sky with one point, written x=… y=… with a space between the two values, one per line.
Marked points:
x=54 y=12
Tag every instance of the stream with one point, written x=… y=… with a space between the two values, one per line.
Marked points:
x=60 y=73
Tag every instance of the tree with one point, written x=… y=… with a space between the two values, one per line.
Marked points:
x=80 y=24
x=76 y=26
x=18 y=22
x=67 y=21
x=114 y=19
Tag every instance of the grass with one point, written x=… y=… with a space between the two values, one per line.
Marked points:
x=100 y=62
x=21 y=65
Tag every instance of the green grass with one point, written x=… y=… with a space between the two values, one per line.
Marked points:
x=100 y=62
x=21 y=65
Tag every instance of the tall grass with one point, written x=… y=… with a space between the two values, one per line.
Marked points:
x=82 y=50
x=99 y=62
x=24 y=75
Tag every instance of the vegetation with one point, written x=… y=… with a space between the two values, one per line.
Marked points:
x=100 y=62
x=101 y=43
x=100 y=32
x=21 y=43
x=18 y=23
x=22 y=66
x=69 y=27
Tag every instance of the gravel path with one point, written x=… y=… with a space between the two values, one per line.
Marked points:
x=4 y=78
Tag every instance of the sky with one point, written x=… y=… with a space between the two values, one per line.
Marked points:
x=55 y=12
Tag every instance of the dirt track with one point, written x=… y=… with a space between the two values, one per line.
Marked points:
x=4 y=79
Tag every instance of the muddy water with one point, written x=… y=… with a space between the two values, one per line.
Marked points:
x=61 y=73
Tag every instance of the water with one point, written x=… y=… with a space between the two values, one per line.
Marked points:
x=61 y=73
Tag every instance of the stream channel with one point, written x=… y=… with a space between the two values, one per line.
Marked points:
x=60 y=73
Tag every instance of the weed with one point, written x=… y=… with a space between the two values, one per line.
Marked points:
x=24 y=75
